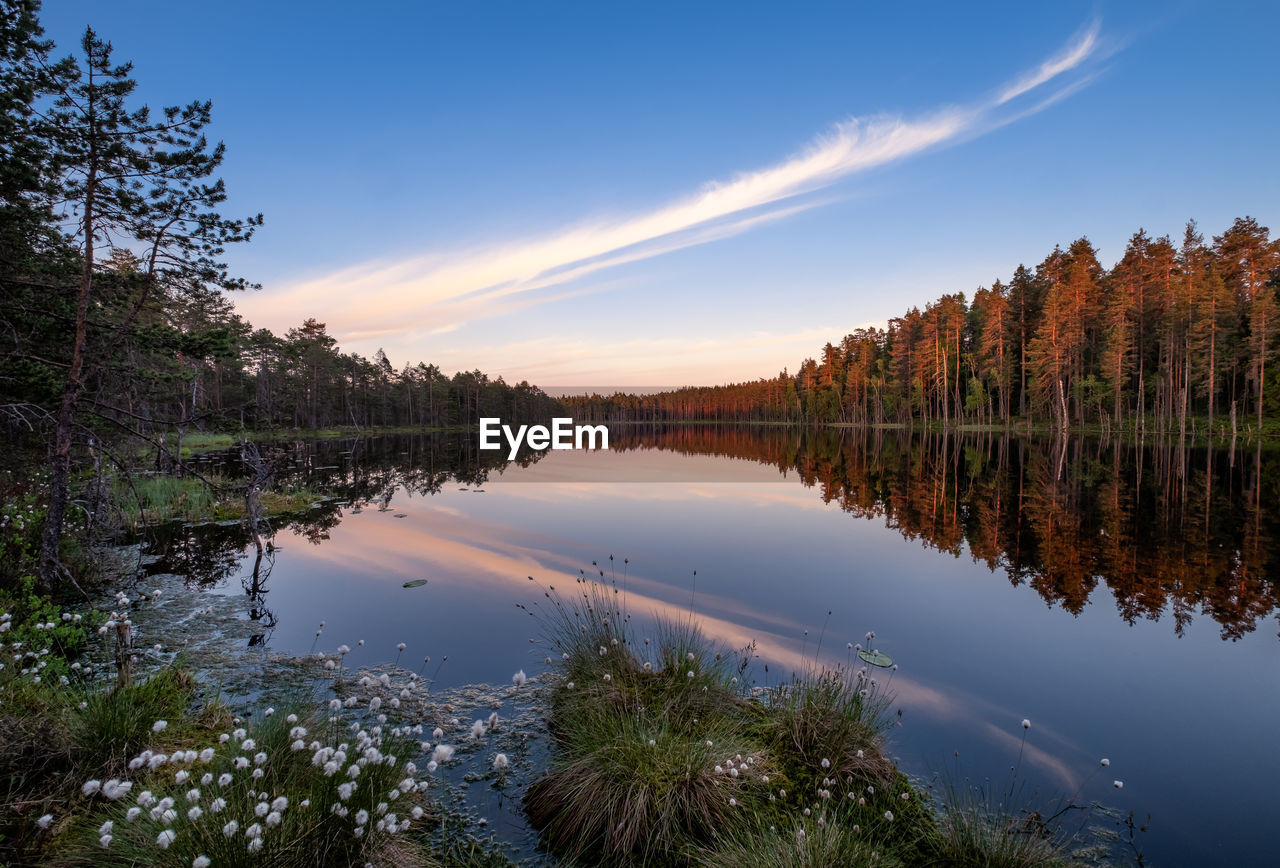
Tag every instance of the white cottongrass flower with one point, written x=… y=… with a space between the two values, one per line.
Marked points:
x=248 y=744
x=145 y=799
x=165 y=838
x=230 y=828
x=193 y=795
x=1026 y=724
x=201 y=862
x=888 y=815
x=279 y=803
x=181 y=777
x=224 y=779
x=826 y=763
x=217 y=804
x=257 y=773
x=45 y=822
x=259 y=758
x=105 y=841
x=255 y=845
x=254 y=831
x=160 y=726
x=1118 y=784
x=1105 y=762
x=273 y=819
x=132 y=814
x=206 y=755
x=242 y=762
x=261 y=809
x=733 y=803
x=478 y=728
x=206 y=779
x=690 y=673
x=519 y=679
x=91 y=787
x=362 y=817
x=608 y=677
x=500 y=762
x=195 y=813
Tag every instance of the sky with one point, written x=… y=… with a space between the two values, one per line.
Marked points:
x=664 y=194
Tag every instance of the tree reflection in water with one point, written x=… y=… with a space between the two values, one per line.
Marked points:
x=1169 y=530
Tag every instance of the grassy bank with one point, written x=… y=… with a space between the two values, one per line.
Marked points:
x=665 y=757
x=198 y=442
x=153 y=498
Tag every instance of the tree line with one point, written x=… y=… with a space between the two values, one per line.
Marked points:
x=1170 y=334
x=114 y=316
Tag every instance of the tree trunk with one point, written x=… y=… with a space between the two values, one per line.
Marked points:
x=60 y=478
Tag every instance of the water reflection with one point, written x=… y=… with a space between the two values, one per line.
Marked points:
x=1169 y=531
x=1166 y=529
x=1085 y=584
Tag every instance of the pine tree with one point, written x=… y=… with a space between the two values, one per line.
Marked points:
x=127 y=180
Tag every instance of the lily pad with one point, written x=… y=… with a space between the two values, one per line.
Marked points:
x=876 y=658
x=416 y=583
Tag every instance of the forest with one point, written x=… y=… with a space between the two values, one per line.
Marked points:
x=1175 y=337
x=115 y=303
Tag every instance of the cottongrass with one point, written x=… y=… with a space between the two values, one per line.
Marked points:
x=286 y=810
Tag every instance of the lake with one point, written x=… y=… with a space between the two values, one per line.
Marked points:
x=1121 y=597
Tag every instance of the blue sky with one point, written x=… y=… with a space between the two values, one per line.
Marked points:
x=666 y=194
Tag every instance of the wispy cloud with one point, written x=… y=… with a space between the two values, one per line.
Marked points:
x=436 y=292
x=1075 y=53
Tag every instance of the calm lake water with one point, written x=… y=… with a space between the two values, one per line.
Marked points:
x=1122 y=598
